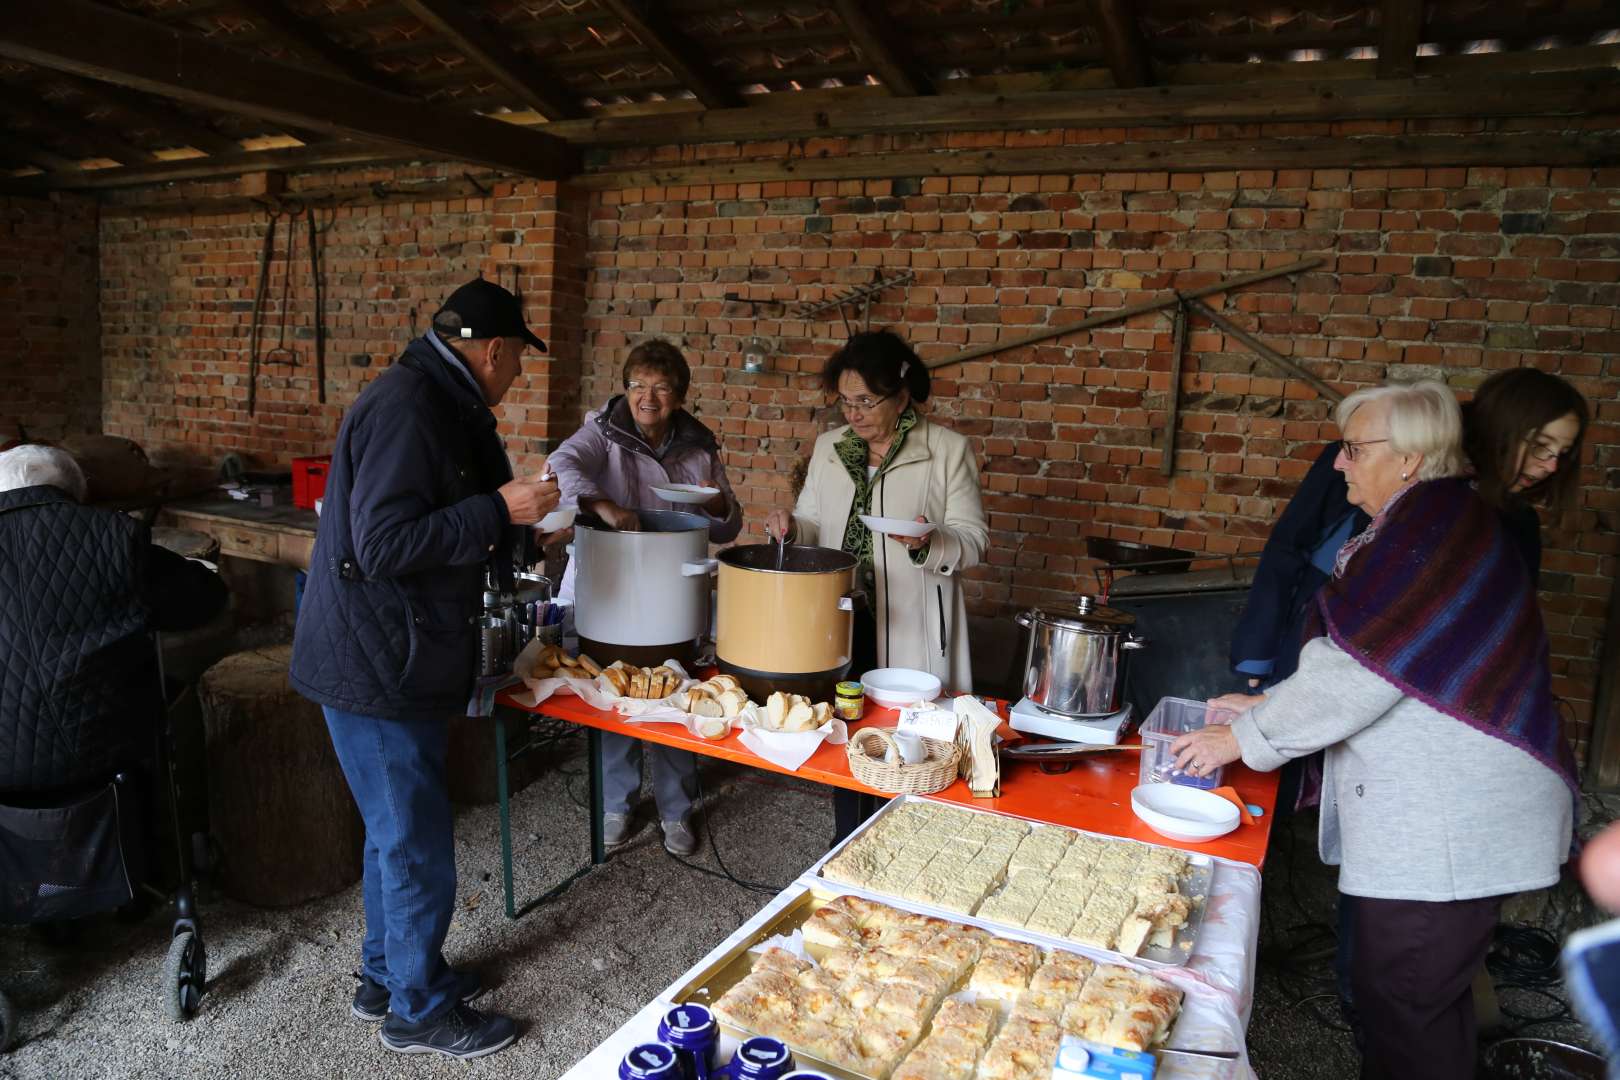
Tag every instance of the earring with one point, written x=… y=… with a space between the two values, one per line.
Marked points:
x=1403 y=476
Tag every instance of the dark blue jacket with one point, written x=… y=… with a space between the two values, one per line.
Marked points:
x=410 y=518
x=81 y=590
x=1266 y=642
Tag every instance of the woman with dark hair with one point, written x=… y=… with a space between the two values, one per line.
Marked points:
x=888 y=461
x=1523 y=433
x=641 y=439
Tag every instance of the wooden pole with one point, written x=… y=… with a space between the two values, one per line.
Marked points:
x=1167 y=459
x=1170 y=300
x=1266 y=351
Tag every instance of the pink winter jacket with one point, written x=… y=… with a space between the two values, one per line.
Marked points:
x=608 y=459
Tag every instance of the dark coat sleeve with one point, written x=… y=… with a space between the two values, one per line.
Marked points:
x=397 y=524
x=1285 y=566
x=182 y=594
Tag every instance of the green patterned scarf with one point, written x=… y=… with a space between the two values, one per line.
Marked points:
x=852 y=450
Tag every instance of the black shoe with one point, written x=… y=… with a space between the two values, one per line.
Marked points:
x=459 y=1032
x=371 y=997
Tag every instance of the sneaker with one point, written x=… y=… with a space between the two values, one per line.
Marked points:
x=371 y=997
x=679 y=839
x=461 y=1031
x=615 y=829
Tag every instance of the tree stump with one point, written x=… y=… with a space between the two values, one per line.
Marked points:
x=278 y=804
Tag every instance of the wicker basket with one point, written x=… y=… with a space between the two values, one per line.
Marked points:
x=869 y=747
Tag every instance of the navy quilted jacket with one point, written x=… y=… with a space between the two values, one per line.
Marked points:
x=81 y=591
x=387 y=626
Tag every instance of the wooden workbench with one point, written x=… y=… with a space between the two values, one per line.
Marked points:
x=282 y=534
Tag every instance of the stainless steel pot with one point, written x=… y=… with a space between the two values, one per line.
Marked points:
x=1075 y=664
x=642 y=595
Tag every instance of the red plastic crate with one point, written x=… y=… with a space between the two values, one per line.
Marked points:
x=309 y=479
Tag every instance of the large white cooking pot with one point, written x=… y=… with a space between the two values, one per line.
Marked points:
x=642 y=596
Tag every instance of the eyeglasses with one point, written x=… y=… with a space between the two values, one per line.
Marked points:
x=1352 y=450
x=862 y=404
x=663 y=390
x=1543 y=452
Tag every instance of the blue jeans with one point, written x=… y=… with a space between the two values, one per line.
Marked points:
x=395 y=769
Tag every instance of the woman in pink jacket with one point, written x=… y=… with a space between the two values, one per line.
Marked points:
x=641 y=439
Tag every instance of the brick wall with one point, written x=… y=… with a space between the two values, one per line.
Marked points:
x=1446 y=272
x=50 y=363
x=177 y=308
x=1453 y=273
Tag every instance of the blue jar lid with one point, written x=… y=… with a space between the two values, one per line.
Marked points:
x=688 y=1027
x=762 y=1058
x=649 y=1061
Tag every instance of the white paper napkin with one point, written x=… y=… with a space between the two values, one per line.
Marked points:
x=785 y=749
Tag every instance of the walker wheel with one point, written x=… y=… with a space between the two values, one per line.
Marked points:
x=185 y=976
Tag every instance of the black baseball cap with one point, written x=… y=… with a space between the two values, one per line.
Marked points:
x=482 y=309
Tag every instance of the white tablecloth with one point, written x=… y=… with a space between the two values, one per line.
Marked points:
x=1218 y=982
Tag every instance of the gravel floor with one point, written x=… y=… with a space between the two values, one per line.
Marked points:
x=572 y=971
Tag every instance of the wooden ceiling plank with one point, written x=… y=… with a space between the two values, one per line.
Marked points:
x=879 y=45
x=663 y=40
x=857 y=113
x=94 y=41
x=309 y=37
x=525 y=76
x=243 y=161
x=159 y=115
x=1400 y=31
x=1121 y=39
x=1584 y=149
x=102 y=141
x=25 y=150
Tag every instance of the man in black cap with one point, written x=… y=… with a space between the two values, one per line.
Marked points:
x=420 y=501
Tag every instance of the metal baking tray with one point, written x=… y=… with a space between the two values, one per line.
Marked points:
x=708 y=985
x=1195 y=884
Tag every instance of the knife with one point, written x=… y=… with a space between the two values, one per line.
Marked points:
x=1210 y=1055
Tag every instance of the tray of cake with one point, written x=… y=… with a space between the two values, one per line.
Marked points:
x=1100 y=894
x=874 y=991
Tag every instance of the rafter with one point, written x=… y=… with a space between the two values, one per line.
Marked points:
x=879 y=44
x=672 y=48
x=89 y=39
x=102 y=142
x=525 y=76
x=1121 y=40
x=243 y=161
x=310 y=38
x=1400 y=28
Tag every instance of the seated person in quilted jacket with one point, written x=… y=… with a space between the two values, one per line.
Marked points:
x=81 y=591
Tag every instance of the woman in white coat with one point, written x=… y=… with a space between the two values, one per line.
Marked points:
x=888 y=461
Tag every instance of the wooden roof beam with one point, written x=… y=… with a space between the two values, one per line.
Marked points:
x=1400 y=27
x=97 y=42
x=660 y=37
x=525 y=76
x=243 y=161
x=104 y=143
x=1121 y=39
x=879 y=45
x=309 y=37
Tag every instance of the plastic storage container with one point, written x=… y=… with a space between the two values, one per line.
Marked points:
x=1172 y=717
x=309 y=479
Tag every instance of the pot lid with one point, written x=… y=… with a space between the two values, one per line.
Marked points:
x=1087 y=616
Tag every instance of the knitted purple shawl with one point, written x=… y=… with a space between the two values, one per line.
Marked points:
x=1440 y=605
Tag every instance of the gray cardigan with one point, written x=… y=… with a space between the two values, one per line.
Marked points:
x=1415 y=805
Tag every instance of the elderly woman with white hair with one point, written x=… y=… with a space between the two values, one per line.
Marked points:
x=81 y=590
x=1447 y=779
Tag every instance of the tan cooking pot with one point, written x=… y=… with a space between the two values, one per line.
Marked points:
x=787 y=628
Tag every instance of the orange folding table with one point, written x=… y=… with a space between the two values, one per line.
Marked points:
x=1094 y=794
